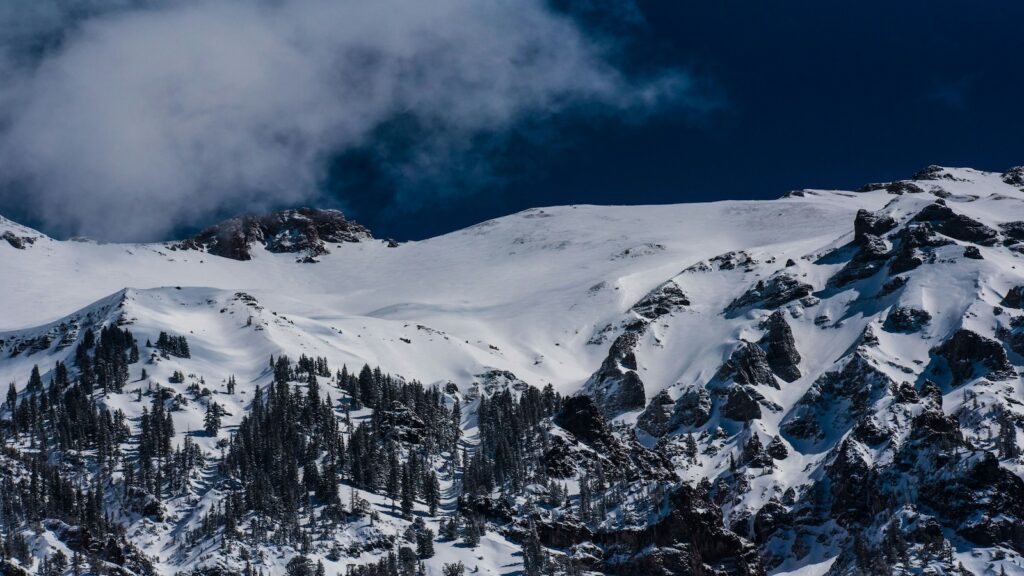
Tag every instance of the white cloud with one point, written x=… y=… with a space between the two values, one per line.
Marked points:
x=147 y=117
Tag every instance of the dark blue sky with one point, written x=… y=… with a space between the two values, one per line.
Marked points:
x=810 y=94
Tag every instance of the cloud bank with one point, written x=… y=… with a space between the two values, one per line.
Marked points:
x=129 y=119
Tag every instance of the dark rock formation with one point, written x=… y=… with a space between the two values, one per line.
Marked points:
x=616 y=387
x=661 y=301
x=933 y=172
x=1013 y=230
x=305 y=230
x=780 y=288
x=915 y=241
x=748 y=365
x=656 y=417
x=956 y=225
x=689 y=540
x=906 y=319
x=898 y=188
x=1014 y=176
x=965 y=350
x=868 y=260
x=780 y=347
x=837 y=400
x=692 y=409
x=583 y=419
x=740 y=404
x=1014 y=298
x=973 y=253
x=18 y=242
x=870 y=223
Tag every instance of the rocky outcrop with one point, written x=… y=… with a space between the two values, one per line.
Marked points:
x=1014 y=176
x=303 y=231
x=836 y=400
x=741 y=404
x=17 y=242
x=656 y=417
x=1014 y=298
x=692 y=408
x=869 y=259
x=661 y=301
x=868 y=223
x=965 y=351
x=778 y=289
x=748 y=365
x=780 y=347
x=906 y=319
x=583 y=419
x=689 y=539
x=616 y=387
x=915 y=244
x=954 y=225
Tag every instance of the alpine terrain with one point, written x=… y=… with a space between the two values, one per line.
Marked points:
x=827 y=383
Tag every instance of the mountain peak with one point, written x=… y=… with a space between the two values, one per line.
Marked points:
x=300 y=230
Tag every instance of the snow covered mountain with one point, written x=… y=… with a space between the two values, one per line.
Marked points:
x=824 y=383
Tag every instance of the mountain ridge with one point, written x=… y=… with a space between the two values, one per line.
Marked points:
x=834 y=376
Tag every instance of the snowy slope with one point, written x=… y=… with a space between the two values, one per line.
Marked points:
x=622 y=303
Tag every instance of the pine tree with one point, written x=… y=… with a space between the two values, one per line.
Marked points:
x=211 y=421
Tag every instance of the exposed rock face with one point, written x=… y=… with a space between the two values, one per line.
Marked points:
x=1014 y=176
x=18 y=242
x=780 y=288
x=836 y=400
x=956 y=225
x=973 y=253
x=868 y=260
x=655 y=418
x=581 y=417
x=305 y=230
x=897 y=188
x=915 y=244
x=689 y=540
x=966 y=350
x=870 y=223
x=906 y=319
x=748 y=365
x=1014 y=298
x=692 y=408
x=740 y=404
x=1013 y=230
x=660 y=302
x=780 y=347
x=616 y=387
x=933 y=172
